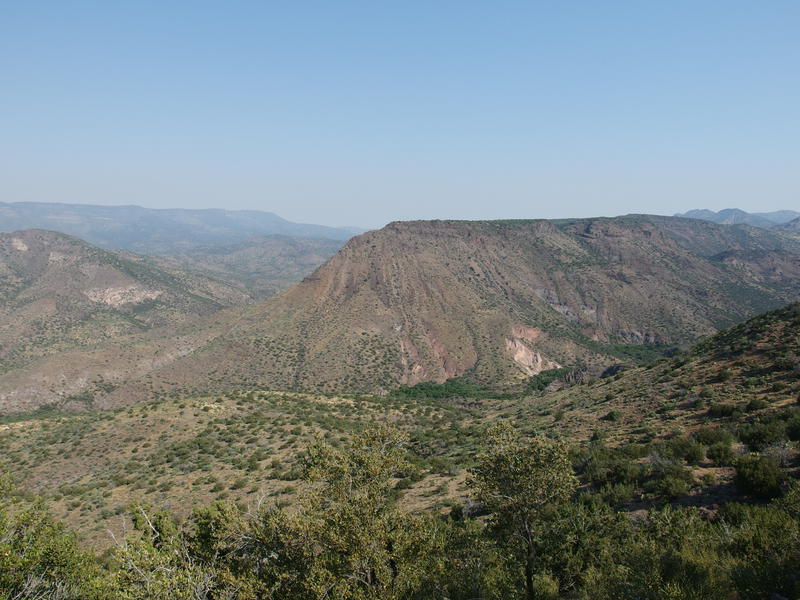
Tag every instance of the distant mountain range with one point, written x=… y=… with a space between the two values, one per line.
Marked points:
x=498 y=301
x=735 y=216
x=148 y=230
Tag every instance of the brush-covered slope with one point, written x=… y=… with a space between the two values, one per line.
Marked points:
x=245 y=446
x=501 y=301
x=740 y=375
x=58 y=292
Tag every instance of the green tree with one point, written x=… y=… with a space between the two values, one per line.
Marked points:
x=39 y=558
x=519 y=480
x=156 y=564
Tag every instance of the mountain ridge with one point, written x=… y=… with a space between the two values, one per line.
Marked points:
x=736 y=216
x=148 y=230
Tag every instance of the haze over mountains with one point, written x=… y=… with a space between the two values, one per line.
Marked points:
x=498 y=301
x=148 y=230
x=735 y=216
x=261 y=266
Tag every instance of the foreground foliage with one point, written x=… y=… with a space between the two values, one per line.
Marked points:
x=528 y=534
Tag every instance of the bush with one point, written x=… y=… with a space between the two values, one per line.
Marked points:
x=722 y=410
x=683 y=449
x=759 y=435
x=793 y=428
x=709 y=436
x=759 y=476
x=615 y=495
x=669 y=480
x=756 y=404
x=721 y=454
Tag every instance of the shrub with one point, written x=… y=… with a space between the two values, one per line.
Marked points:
x=683 y=449
x=721 y=454
x=617 y=494
x=756 y=404
x=724 y=375
x=709 y=436
x=793 y=428
x=759 y=476
x=722 y=410
x=670 y=480
x=760 y=435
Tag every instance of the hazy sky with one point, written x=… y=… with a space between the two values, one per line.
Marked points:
x=358 y=113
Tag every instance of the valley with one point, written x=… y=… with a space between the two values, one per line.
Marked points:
x=246 y=447
x=495 y=301
x=165 y=390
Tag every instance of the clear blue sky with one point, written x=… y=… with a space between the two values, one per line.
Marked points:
x=360 y=113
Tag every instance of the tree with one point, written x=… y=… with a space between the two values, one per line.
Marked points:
x=345 y=538
x=368 y=547
x=39 y=558
x=519 y=480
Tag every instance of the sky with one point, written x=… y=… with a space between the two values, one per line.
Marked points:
x=360 y=113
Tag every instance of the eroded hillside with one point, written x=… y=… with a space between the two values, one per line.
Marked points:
x=497 y=301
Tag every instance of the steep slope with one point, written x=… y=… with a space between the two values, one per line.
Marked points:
x=149 y=230
x=498 y=301
x=262 y=266
x=57 y=292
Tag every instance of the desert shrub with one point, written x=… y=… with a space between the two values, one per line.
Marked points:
x=708 y=436
x=793 y=428
x=616 y=494
x=683 y=448
x=720 y=410
x=724 y=375
x=764 y=541
x=721 y=454
x=759 y=435
x=601 y=465
x=634 y=450
x=669 y=480
x=539 y=382
x=756 y=404
x=759 y=476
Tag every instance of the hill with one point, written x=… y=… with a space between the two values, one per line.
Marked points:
x=792 y=227
x=742 y=374
x=147 y=230
x=58 y=292
x=735 y=216
x=501 y=301
x=427 y=301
